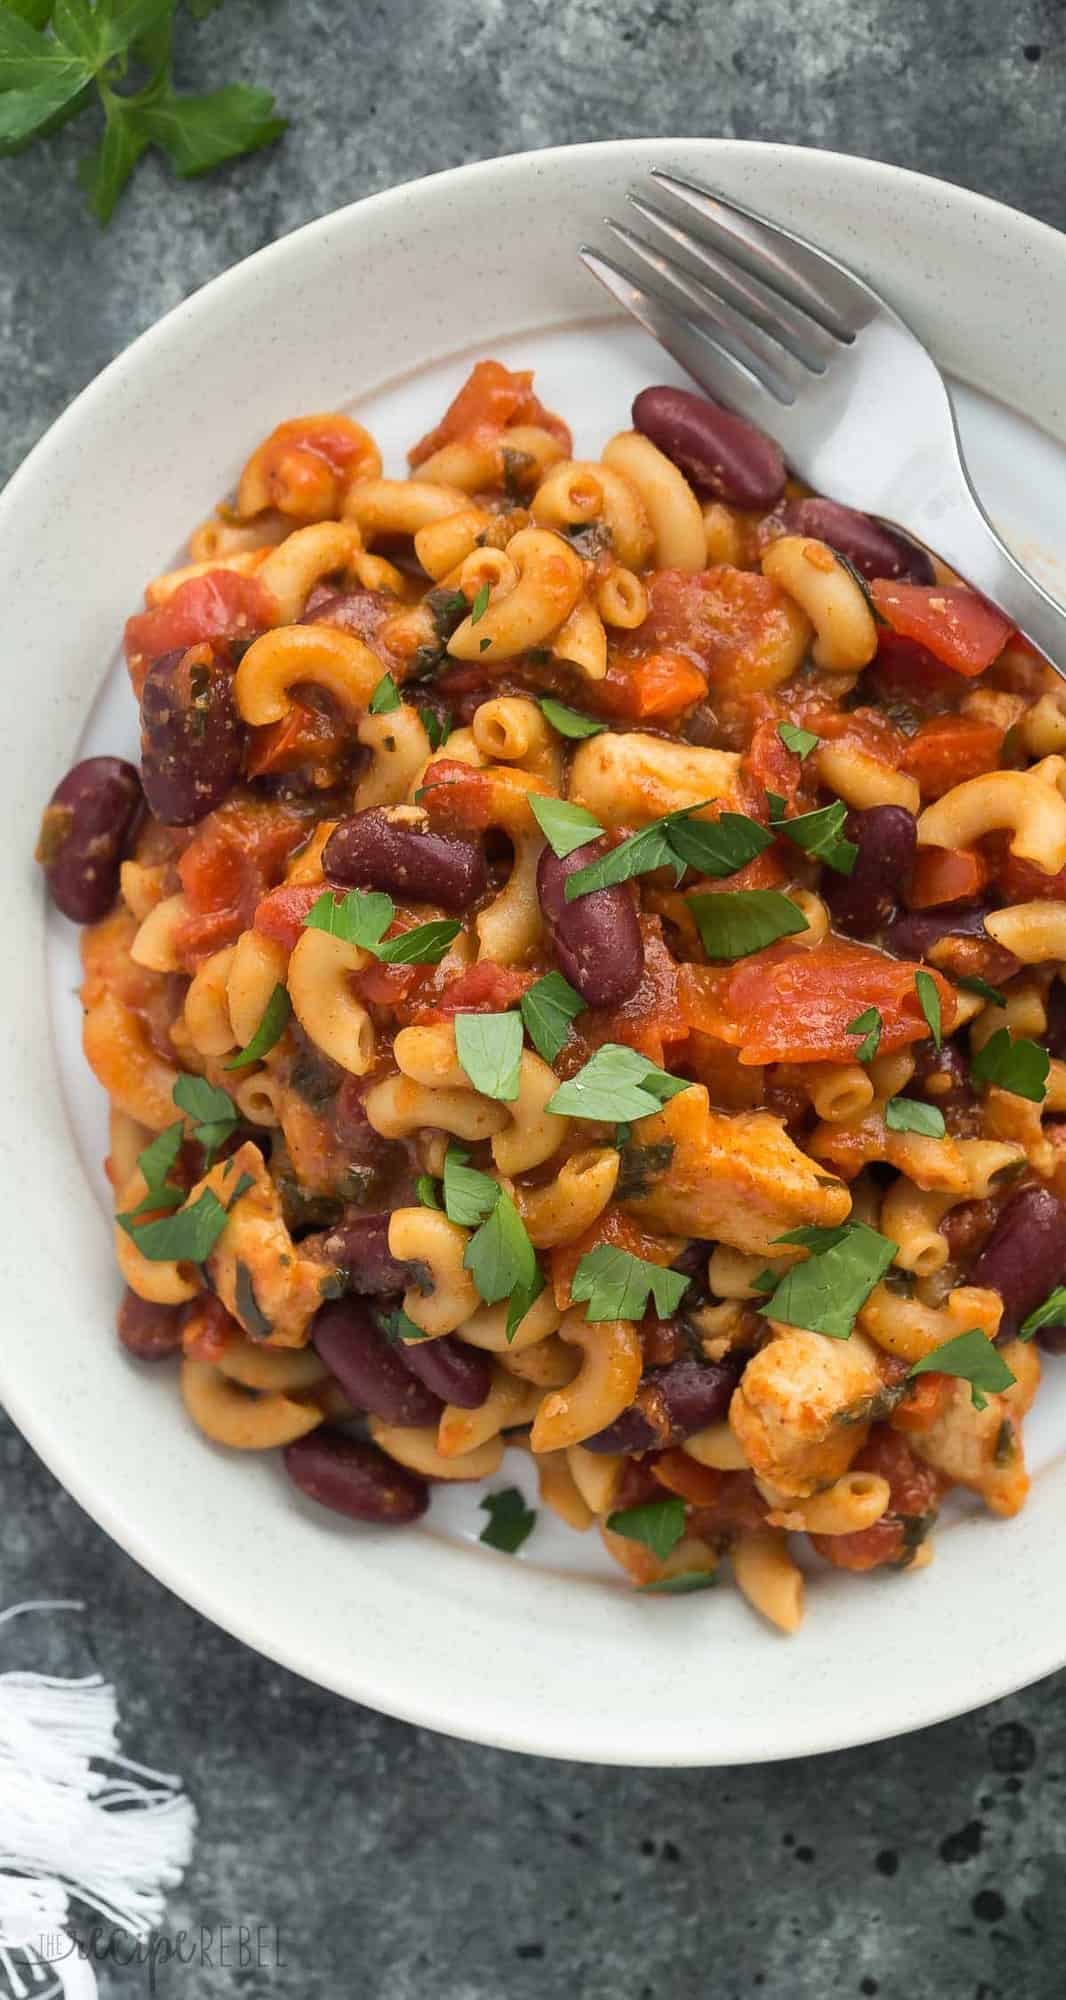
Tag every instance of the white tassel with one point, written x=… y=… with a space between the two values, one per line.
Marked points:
x=61 y=1837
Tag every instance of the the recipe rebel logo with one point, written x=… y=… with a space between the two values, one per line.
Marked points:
x=60 y=1965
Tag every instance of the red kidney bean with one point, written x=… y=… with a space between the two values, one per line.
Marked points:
x=1054 y=1036
x=671 y=1404
x=368 y=1368
x=1052 y=1339
x=870 y=548
x=192 y=738
x=393 y=848
x=1025 y=1256
x=455 y=1372
x=361 y=612
x=865 y=901
x=914 y=935
x=149 y=1331
x=355 y=1479
x=84 y=830
x=360 y=1245
x=597 y=937
x=715 y=448
x=941 y=1076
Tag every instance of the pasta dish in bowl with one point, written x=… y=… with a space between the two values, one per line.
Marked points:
x=577 y=970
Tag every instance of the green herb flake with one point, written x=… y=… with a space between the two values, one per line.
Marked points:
x=426 y=1190
x=568 y=721
x=276 y=1016
x=972 y=1357
x=1018 y=1066
x=973 y=984
x=929 y=1002
x=820 y=834
x=616 y=1084
x=911 y=1114
x=469 y=1196
x=500 y=1257
x=680 y=1585
x=547 y=1009
x=733 y=923
x=510 y=1521
x=385 y=698
x=659 y=1524
x=868 y=1024
x=437 y=727
x=212 y=1112
x=155 y=1164
x=190 y=1235
x=716 y=847
x=489 y=1047
x=480 y=605
x=1051 y=1313
x=826 y=1293
x=564 y=826
x=801 y=741
x=362 y=917
x=617 y=1285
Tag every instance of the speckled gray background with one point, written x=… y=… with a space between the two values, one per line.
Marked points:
x=395 y=1865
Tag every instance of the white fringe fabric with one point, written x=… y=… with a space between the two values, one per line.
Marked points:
x=77 y=1821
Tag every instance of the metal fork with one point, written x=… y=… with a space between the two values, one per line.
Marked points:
x=794 y=341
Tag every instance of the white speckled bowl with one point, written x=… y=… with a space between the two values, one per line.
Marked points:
x=383 y=306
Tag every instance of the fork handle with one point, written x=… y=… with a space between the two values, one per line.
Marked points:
x=950 y=519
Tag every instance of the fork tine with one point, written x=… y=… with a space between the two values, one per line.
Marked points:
x=771 y=364
x=693 y=348
x=775 y=316
x=787 y=263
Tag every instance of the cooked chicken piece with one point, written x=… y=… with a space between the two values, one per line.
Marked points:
x=801 y=1408
x=739 y=1180
x=255 y=1268
x=982 y=1449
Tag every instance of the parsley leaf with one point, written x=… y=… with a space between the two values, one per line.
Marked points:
x=868 y=1024
x=189 y=1236
x=510 y=1520
x=480 y=604
x=568 y=721
x=659 y=1524
x=821 y=834
x=912 y=1114
x=198 y=133
x=426 y=1190
x=802 y=741
x=385 y=698
x=501 y=1259
x=617 y=1285
x=972 y=1357
x=617 y=1083
x=547 y=1010
x=716 y=847
x=437 y=727
x=825 y=1293
x=363 y=916
x=1051 y=1313
x=469 y=1196
x=489 y=1047
x=680 y=1585
x=1018 y=1066
x=564 y=826
x=929 y=1001
x=733 y=923
x=275 y=1020
x=213 y=1112
x=638 y=855
x=973 y=984
x=397 y=1328
x=155 y=1164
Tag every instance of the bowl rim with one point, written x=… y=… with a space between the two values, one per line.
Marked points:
x=544 y=1733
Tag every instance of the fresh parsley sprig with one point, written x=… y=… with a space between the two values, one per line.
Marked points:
x=716 y=847
x=659 y=1524
x=1019 y=1066
x=972 y=1357
x=363 y=916
x=616 y=1083
x=618 y=1285
x=827 y=1291
x=547 y=1010
x=55 y=62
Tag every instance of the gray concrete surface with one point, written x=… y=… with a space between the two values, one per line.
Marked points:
x=393 y=1864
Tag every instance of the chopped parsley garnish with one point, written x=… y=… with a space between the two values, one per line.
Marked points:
x=681 y=1585
x=363 y=916
x=510 y=1521
x=827 y=1291
x=385 y=698
x=973 y=984
x=276 y=1016
x=911 y=1114
x=469 y=1196
x=1051 y=1313
x=716 y=847
x=564 y=826
x=489 y=1047
x=547 y=1010
x=480 y=605
x=568 y=721
x=659 y=1524
x=802 y=741
x=188 y=1236
x=437 y=727
x=155 y=1164
x=617 y=1083
x=972 y=1357
x=618 y=1285
x=733 y=923
x=1018 y=1066
x=929 y=1001
x=868 y=1024
x=215 y=1116
x=821 y=835
x=426 y=1190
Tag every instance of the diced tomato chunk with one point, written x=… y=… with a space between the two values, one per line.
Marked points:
x=657 y=688
x=904 y=672
x=456 y=796
x=914 y=1489
x=281 y=913
x=1022 y=881
x=492 y=398
x=235 y=855
x=737 y=1505
x=959 y=628
x=736 y=625
x=220 y=605
x=771 y=764
x=685 y=1476
x=922 y=1403
x=481 y=989
x=946 y=875
x=790 y=1005
x=949 y=749
x=303 y=737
